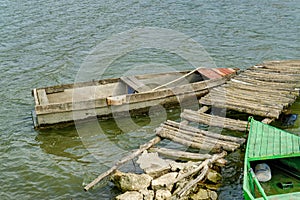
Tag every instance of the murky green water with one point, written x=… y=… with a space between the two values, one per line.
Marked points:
x=44 y=43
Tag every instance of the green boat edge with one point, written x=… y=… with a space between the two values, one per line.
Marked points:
x=248 y=178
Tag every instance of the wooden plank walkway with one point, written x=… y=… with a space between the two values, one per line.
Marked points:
x=264 y=90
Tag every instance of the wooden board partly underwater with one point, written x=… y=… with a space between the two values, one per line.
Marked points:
x=102 y=98
x=281 y=151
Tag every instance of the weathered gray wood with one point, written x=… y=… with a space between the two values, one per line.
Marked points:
x=123 y=161
x=197 y=169
x=282 y=65
x=272 y=77
x=183 y=155
x=253 y=108
x=213 y=100
x=135 y=84
x=42 y=96
x=195 y=89
x=217 y=121
x=249 y=81
x=261 y=99
x=197 y=136
x=179 y=138
x=267 y=69
x=176 y=80
x=267 y=120
x=271 y=74
x=200 y=138
x=203 y=109
x=201 y=141
x=35 y=96
x=262 y=88
x=249 y=97
x=193 y=182
x=206 y=133
x=271 y=96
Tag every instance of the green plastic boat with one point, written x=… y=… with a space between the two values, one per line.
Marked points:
x=280 y=151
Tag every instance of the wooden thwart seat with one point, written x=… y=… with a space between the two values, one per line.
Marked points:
x=135 y=84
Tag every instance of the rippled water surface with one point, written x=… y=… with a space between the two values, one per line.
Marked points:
x=43 y=43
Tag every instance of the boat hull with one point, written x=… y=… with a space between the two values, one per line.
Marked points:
x=267 y=144
x=112 y=97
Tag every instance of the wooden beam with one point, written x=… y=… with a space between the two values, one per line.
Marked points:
x=43 y=99
x=213 y=120
x=183 y=155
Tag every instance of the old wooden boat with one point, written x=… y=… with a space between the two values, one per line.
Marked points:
x=66 y=103
x=278 y=149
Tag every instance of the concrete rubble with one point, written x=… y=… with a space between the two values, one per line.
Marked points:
x=166 y=180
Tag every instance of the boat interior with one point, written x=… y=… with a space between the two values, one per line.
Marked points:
x=285 y=178
x=115 y=87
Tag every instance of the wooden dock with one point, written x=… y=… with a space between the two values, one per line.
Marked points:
x=265 y=90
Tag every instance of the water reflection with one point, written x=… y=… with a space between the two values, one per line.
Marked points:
x=63 y=143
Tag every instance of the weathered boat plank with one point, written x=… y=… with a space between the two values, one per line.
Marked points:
x=135 y=84
x=42 y=96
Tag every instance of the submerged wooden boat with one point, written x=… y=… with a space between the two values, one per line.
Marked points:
x=102 y=98
x=278 y=149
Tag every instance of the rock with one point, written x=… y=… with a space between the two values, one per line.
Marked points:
x=147 y=194
x=202 y=194
x=213 y=186
x=212 y=194
x=130 y=181
x=163 y=195
x=221 y=162
x=153 y=165
x=132 y=195
x=214 y=176
x=165 y=181
x=176 y=166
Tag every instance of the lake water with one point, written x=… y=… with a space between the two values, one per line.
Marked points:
x=44 y=43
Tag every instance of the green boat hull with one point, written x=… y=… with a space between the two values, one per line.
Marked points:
x=281 y=151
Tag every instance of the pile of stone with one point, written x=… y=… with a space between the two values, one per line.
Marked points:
x=167 y=179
